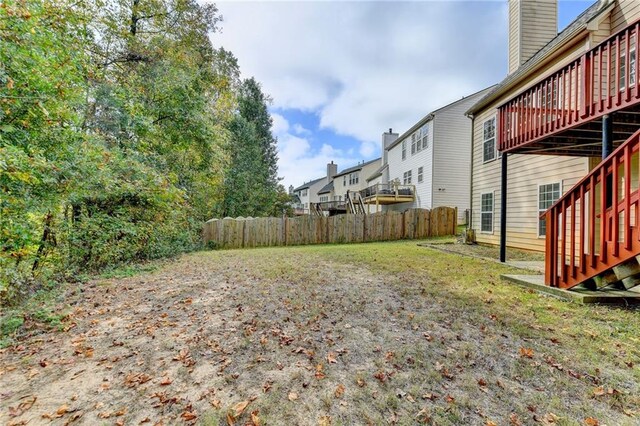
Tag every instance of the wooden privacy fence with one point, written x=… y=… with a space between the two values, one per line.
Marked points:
x=348 y=228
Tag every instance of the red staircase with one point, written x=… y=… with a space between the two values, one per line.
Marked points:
x=594 y=226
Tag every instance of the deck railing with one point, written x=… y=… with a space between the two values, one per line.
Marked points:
x=602 y=80
x=388 y=190
x=594 y=226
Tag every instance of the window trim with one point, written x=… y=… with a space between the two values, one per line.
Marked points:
x=493 y=212
x=420 y=174
x=559 y=182
x=495 y=140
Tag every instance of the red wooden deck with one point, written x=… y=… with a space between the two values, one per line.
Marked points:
x=554 y=115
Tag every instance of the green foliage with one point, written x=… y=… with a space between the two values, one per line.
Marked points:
x=121 y=130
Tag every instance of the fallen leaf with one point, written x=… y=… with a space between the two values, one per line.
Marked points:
x=490 y=423
x=331 y=358
x=189 y=416
x=360 y=382
x=526 y=352
x=430 y=396
x=339 y=391
x=166 y=381
x=482 y=382
x=255 y=420
x=590 y=421
x=293 y=396
x=514 y=420
x=239 y=408
x=23 y=406
x=449 y=399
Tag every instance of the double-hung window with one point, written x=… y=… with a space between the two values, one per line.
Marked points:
x=486 y=212
x=547 y=195
x=489 y=140
x=424 y=135
x=404 y=149
x=406 y=178
x=420 y=170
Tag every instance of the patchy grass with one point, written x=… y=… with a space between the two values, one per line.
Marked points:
x=343 y=334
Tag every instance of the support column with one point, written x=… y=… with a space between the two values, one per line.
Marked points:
x=607 y=149
x=607 y=135
x=503 y=209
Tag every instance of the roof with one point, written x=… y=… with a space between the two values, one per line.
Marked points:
x=308 y=184
x=357 y=167
x=378 y=172
x=572 y=30
x=430 y=116
x=326 y=189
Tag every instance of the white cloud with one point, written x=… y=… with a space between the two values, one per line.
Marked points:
x=299 y=162
x=364 y=67
x=299 y=130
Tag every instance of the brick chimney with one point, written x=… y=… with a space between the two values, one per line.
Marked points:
x=532 y=24
x=332 y=170
x=387 y=139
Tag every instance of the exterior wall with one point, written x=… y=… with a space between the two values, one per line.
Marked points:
x=623 y=14
x=452 y=156
x=312 y=194
x=525 y=173
x=397 y=167
x=339 y=187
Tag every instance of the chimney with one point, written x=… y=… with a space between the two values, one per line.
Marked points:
x=532 y=24
x=332 y=170
x=290 y=189
x=387 y=139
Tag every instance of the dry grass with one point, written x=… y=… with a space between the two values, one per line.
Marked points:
x=353 y=334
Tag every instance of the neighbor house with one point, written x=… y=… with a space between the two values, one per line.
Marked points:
x=307 y=193
x=430 y=161
x=543 y=140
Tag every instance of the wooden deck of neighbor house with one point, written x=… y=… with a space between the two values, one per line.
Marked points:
x=388 y=193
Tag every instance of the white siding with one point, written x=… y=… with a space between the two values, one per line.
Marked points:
x=452 y=156
x=398 y=166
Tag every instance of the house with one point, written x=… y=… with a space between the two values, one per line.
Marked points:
x=543 y=142
x=307 y=193
x=354 y=179
x=431 y=159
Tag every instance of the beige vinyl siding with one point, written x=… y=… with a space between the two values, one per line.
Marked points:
x=514 y=36
x=539 y=25
x=525 y=173
x=624 y=13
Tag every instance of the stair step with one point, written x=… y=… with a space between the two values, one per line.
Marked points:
x=627 y=269
x=605 y=279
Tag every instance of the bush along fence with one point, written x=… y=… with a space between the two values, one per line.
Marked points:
x=348 y=228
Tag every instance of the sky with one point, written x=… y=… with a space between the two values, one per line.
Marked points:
x=342 y=73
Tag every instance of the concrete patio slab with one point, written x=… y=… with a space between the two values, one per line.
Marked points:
x=615 y=297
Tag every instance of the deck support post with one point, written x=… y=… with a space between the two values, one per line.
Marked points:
x=503 y=209
x=607 y=149
x=607 y=135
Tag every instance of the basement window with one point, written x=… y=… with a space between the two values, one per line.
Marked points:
x=486 y=212
x=547 y=195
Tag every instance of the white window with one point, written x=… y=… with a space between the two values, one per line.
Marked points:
x=304 y=192
x=486 y=212
x=420 y=169
x=324 y=198
x=354 y=178
x=407 y=178
x=404 y=149
x=623 y=66
x=547 y=195
x=489 y=140
x=425 y=136
x=414 y=140
x=344 y=180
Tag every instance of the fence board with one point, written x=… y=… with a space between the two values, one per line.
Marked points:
x=231 y=233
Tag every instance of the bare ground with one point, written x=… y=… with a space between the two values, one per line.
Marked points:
x=362 y=334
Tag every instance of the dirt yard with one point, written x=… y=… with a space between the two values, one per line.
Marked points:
x=387 y=333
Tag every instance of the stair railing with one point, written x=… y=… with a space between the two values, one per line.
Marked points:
x=594 y=226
